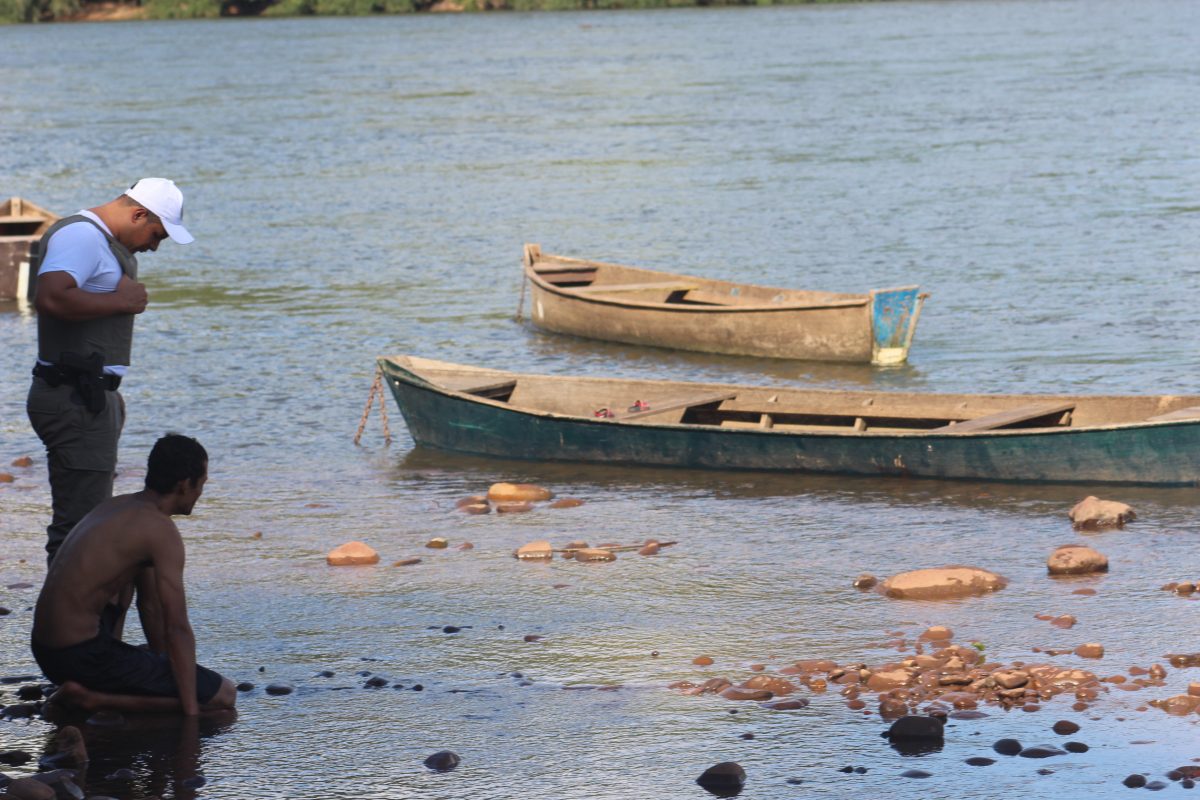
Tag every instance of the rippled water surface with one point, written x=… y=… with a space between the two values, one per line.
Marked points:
x=363 y=186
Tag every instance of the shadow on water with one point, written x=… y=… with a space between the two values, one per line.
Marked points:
x=554 y=352
x=429 y=466
x=145 y=755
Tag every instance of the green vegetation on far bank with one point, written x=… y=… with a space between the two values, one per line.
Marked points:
x=64 y=10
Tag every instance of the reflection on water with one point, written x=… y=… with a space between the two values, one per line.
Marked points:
x=361 y=187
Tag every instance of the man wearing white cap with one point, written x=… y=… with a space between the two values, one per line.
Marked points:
x=87 y=297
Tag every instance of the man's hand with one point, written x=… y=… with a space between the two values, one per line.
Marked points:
x=132 y=295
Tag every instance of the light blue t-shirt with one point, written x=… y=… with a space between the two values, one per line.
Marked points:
x=82 y=252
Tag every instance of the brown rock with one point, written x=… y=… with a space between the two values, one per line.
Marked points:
x=649 y=550
x=6 y=477
x=776 y=686
x=702 y=661
x=1076 y=559
x=1066 y=621
x=865 y=581
x=1084 y=591
x=513 y=508
x=1010 y=679
x=476 y=508
x=885 y=679
x=941 y=583
x=1185 y=588
x=437 y=543
x=473 y=500
x=23 y=461
x=1179 y=704
x=595 y=554
x=1194 y=689
x=406 y=562
x=535 y=550
x=738 y=693
x=790 y=704
x=517 y=492
x=352 y=554
x=29 y=789
x=1092 y=513
x=567 y=502
x=937 y=633
x=464 y=546
x=1090 y=650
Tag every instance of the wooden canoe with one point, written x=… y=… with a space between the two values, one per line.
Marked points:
x=1038 y=438
x=641 y=306
x=22 y=224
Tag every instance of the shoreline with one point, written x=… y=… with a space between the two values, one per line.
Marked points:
x=117 y=11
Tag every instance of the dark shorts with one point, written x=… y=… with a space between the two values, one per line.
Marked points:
x=105 y=664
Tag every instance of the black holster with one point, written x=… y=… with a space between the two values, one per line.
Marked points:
x=88 y=374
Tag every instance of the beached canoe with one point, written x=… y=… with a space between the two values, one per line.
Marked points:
x=1042 y=438
x=22 y=224
x=641 y=306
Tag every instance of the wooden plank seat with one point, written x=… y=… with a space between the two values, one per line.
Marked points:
x=1003 y=419
x=604 y=288
x=1191 y=412
x=674 y=404
x=476 y=384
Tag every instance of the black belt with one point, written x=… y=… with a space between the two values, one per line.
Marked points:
x=57 y=375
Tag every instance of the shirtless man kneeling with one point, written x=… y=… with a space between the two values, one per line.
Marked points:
x=127 y=542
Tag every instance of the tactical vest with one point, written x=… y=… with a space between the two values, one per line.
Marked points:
x=111 y=337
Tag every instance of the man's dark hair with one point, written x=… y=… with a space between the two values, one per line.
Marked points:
x=175 y=458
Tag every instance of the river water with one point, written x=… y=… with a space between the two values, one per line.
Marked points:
x=361 y=187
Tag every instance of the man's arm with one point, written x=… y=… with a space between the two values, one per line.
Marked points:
x=150 y=610
x=168 y=560
x=59 y=296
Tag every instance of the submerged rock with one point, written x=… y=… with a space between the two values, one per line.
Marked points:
x=279 y=688
x=540 y=549
x=567 y=502
x=916 y=727
x=1076 y=559
x=1091 y=513
x=517 y=492
x=595 y=554
x=352 y=554
x=442 y=761
x=941 y=583
x=724 y=779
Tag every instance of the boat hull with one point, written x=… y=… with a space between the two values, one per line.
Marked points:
x=732 y=319
x=1156 y=454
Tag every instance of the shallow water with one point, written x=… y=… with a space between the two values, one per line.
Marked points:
x=363 y=186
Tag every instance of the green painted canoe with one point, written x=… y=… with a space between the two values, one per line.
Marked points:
x=1038 y=438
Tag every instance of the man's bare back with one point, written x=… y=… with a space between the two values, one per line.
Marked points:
x=125 y=543
x=98 y=563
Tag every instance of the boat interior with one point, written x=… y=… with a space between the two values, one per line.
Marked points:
x=634 y=285
x=785 y=409
x=20 y=218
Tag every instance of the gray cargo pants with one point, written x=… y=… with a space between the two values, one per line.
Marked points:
x=81 y=452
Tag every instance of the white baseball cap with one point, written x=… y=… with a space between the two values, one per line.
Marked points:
x=163 y=198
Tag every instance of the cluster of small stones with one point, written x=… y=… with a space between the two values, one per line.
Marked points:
x=513 y=498
x=950 y=677
x=543 y=550
x=1182 y=588
x=356 y=554
x=23 y=462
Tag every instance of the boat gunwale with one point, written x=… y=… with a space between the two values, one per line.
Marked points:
x=950 y=435
x=852 y=299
